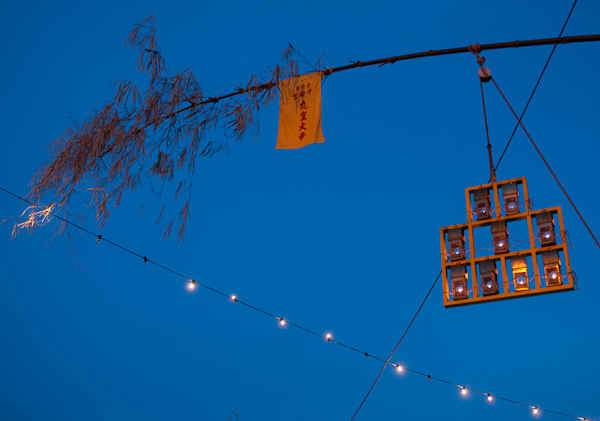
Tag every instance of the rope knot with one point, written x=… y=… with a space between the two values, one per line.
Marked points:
x=476 y=49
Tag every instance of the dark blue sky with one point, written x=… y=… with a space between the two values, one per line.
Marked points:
x=340 y=237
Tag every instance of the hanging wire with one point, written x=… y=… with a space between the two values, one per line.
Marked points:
x=534 y=89
x=487 y=132
x=397 y=345
x=546 y=162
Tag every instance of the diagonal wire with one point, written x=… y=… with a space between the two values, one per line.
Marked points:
x=397 y=345
x=536 y=85
x=548 y=165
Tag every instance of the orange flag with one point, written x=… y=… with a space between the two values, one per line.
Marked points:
x=300 y=112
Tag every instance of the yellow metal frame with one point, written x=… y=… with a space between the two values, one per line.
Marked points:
x=471 y=262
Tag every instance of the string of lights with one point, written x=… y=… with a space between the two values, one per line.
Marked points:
x=192 y=284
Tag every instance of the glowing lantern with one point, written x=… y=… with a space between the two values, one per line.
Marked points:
x=545 y=223
x=489 y=277
x=459 y=277
x=519 y=269
x=456 y=238
x=511 y=198
x=500 y=237
x=482 y=204
x=551 y=263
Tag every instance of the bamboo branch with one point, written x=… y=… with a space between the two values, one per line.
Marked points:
x=392 y=60
x=497 y=46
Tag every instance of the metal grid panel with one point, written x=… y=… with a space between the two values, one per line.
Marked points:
x=533 y=251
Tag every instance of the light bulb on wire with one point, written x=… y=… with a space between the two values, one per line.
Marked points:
x=399 y=367
x=192 y=285
x=281 y=322
x=464 y=390
x=233 y=298
x=489 y=397
x=328 y=337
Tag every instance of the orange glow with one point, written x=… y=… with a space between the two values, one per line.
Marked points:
x=535 y=410
x=233 y=298
x=191 y=286
x=281 y=322
x=328 y=336
x=489 y=397
x=399 y=368
x=464 y=390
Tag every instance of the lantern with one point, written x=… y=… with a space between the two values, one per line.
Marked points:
x=519 y=269
x=551 y=263
x=489 y=277
x=459 y=277
x=456 y=238
x=482 y=204
x=545 y=223
x=500 y=237
x=511 y=198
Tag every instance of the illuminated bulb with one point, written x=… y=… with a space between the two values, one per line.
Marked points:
x=521 y=280
x=192 y=285
x=457 y=251
x=399 y=368
x=328 y=336
x=554 y=275
x=547 y=235
x=535 y=410
x=512 y=206
x=233 y=298
x=459 y=289
x=464 y=390
x=501 y=243
x=489 y=397
x=281 y=322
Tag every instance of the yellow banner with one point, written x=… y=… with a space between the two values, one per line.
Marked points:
x=300 y=112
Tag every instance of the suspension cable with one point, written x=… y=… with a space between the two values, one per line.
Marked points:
x=546 y=162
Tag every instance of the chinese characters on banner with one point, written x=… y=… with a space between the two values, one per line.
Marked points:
x=300 y=112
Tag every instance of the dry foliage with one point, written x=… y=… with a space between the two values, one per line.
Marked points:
x=151 y=137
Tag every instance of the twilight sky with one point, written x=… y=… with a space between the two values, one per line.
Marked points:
x=340 y=237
